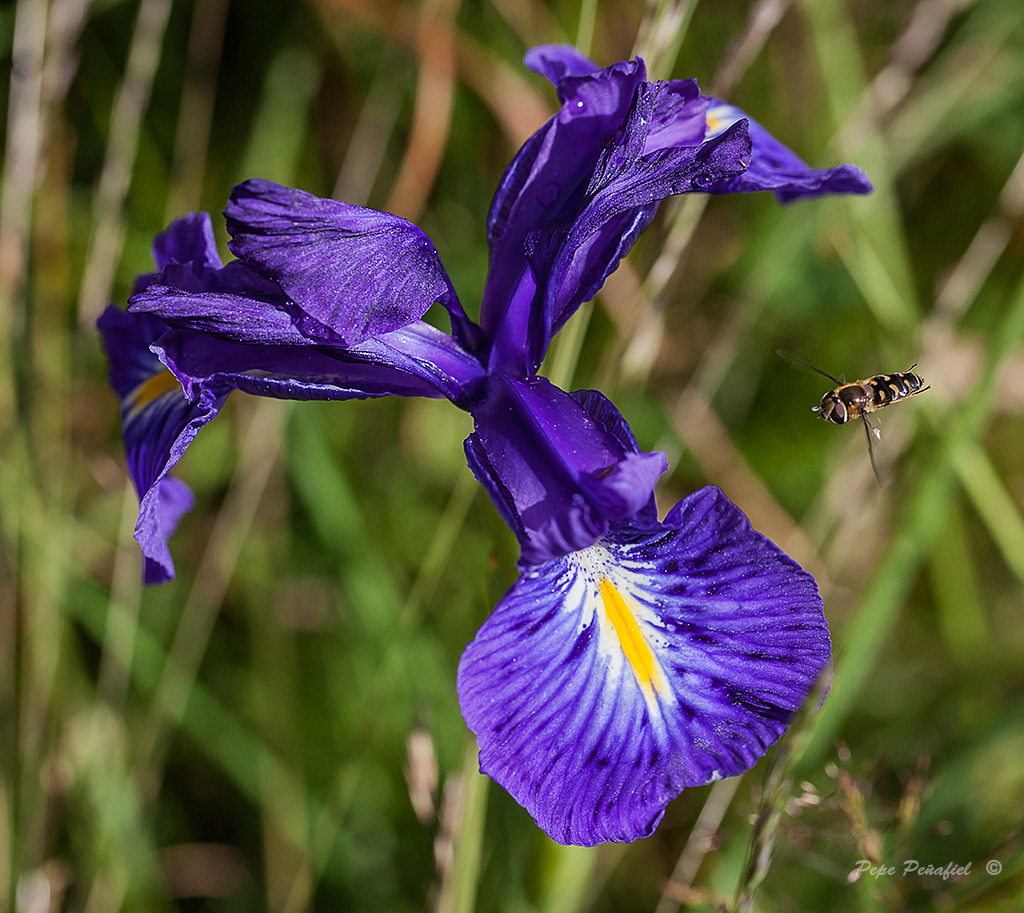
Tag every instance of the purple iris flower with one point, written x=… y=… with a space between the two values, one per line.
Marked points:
x=635 y=656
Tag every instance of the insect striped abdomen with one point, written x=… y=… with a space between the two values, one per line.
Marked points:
x=890 y=388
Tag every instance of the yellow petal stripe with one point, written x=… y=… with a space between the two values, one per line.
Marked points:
x=631 y=639
x=151 y=390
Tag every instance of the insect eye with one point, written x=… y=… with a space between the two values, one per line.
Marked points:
x=826 y=408
x=837 y=413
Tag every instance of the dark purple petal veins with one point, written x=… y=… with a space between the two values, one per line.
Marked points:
x=560 y=468
x=417 y=360
x=349 y=272
x=776 y=167
x=242 y=339
x=158 y=424
x=607 y=681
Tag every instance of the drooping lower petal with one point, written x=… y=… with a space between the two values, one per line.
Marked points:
x=158 y=424
x=607 y=681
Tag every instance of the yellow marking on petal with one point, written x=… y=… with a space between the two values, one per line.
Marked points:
x=631 y=638
x=714 y=125
x=151 y=390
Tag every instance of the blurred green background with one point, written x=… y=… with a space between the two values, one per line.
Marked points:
x=278 y=728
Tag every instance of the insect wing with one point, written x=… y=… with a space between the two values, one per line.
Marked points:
x=789 y=356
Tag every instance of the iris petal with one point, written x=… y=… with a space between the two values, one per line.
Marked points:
x=556 y=61
x=354 y=272
x=189 y=240
x=158 y=424
x=414 y=360
x=776 y=167
x=187 y=248
x=607 y=681
x=542 y=184
x=679 y=117
x=417 y=360
x=186 y=257
x=238 y=318
x=571 y=258
x=583 y=188
x=559 y=467
x=773 y=167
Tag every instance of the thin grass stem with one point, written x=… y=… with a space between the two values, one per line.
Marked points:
x=108 y=227
x=260 y=445
x=459 y=890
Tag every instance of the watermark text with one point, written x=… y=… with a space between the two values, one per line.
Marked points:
x=913 y=868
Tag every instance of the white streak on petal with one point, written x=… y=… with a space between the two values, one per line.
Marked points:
x=626 y=624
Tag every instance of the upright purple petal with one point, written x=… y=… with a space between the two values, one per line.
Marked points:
x=542 y=183
x=776 y=167
x=186 y=258
x=187 y=241
x=608 y=680
x=678 y=117
x=571 y=257
x=556 y=232
x=593 y=175
x=351 y=272
x=557 y=61
x=186 y=247
x=158 y=424
x=560 y=468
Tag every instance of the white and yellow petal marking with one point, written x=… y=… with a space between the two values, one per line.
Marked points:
x=622 y=620
x=719 y=118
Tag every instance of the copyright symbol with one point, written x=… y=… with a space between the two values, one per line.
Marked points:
x=993 y=867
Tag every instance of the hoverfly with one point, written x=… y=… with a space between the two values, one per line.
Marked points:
x=861 y=398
